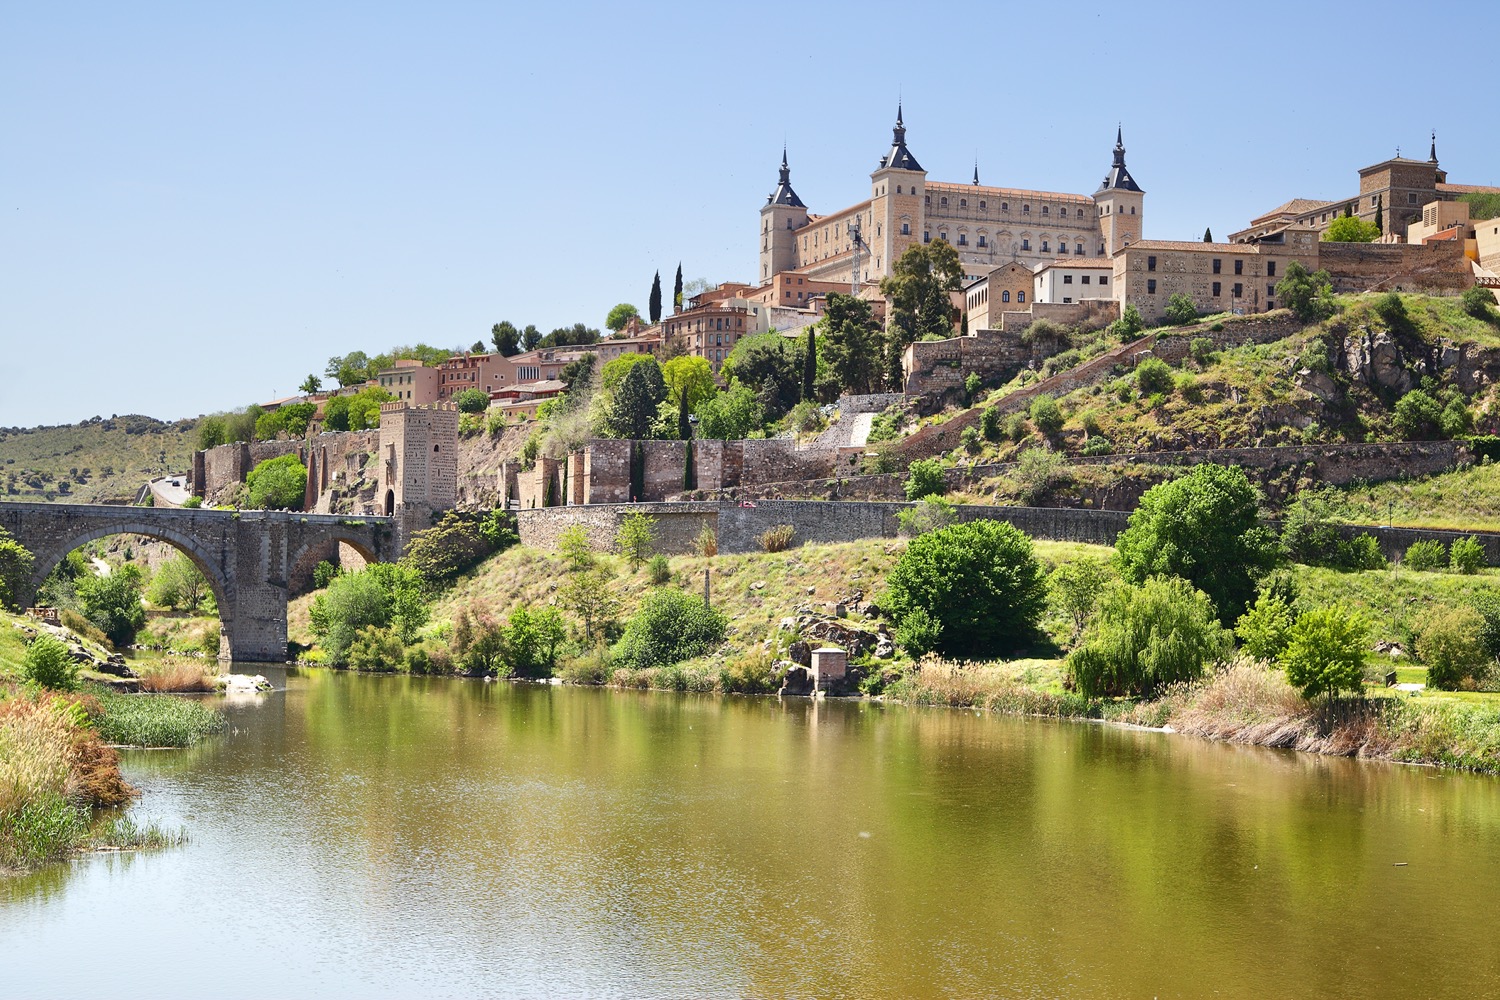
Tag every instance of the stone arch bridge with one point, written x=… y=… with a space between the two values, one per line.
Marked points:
x=251 y=558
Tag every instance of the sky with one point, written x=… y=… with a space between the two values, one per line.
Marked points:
x=201 y=203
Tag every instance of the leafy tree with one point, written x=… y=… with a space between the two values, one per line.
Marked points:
x=730 y=415
x=210 y=433
x=1325 y=653
x=350 y=369
x=530 y=641
x=1153 y=375
x=1309 y=295
x=668 y=627
x=578 y=375
x=1467 y=556
x=925 y=478
x=1379 y=215
x=458 y=542
x=653 y=303
x=1076 y=588
x=1451 y=644
x=1349 y=229
x=980 y=581
x=49 y=664
x=277 y=484
x=918 y=290
x=636 y=400
x=506 y=338
x=178 y=584
x=614 y=372
x=620 y=315
x=381 y=595
x=1181 y=309
x=573 y=544
x=310 y=385
x=636 y=537
x=296 y=416
x=113 y=604
x=358 y=412
x=919 y=632
x=1046 y=415
x=689 y=379
x=989 y=424
x=1266 y=628
x=771 y=366
x=16 y=563
x=1129 y=324
x=570 y=336
x=677 y=290
x=1425 y=556
x=531 y=337
x=1418 y=416
x=1203 y=527
x=928 y=514
x=1146 y=637
x=851 y=343
x=1208 y=236
x=1479 y=302
x=472 y=401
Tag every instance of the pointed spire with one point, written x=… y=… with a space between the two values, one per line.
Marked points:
x=786 y=172
x=1119 y=177
x=899 y=157
x=784 y=195
x=1119 y=146
x=976 y=171
x=1432 y=156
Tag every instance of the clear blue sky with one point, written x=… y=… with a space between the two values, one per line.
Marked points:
x=202 y=202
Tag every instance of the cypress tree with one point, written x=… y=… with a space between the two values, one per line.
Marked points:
x=677 y=290
x=684 y=426
x=1380 y=214
x=809 y=365
x=653 y=304
x=1208 y=236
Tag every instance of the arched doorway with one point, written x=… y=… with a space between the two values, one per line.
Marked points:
x=390 y=503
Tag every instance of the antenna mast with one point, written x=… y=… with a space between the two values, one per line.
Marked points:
x=858 y=244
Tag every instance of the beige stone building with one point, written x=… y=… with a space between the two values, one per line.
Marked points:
x=410 y=381
x=1008 y=288
x=1218 y=277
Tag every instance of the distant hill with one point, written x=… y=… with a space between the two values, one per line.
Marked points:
x=102 y=459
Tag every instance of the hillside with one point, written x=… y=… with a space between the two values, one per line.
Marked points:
x=97 y=460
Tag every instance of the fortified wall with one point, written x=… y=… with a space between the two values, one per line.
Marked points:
x=341 y=457
x=1436 y=268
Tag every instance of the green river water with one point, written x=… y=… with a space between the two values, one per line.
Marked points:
x=357 y=836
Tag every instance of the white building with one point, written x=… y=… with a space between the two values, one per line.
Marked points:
x=1073 y=279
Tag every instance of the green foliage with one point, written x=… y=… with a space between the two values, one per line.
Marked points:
x=928 y=514
x=1129 y=325
x=1153 y=375
x=668 y=627
x=292 y=419
x=925 y=478
x=1309 y=295
x=1046 y=415
x=613 y=373
x=179 y=584
x=1202 y=350
x=380 y=595
x=1425 y=556
x=989 y=423
x=1450 y=642
x=1181 y=309
x=1325 y=652
x=770 y=365
x=1350 y=229
x=569 y=336
x=635 y=402
x=506 y=338
x=588 y=596
x=1036 y=473
x=1147 y=637
x=1014 y=428
x=1098 y=444
x=358 y=412
x=636 y=538
x=1466 y=556
x=1310 y=535
x=375 y=650
x=979 y=580
x=777 y=538
x=113 y=604
x=49 y=664
x=1076 y=588
x=1479 y=302
x=324 y=573
x=658 y=571
x=1203 y=527
x=531 y=639
x=730 y=415
x=472 y=401
x=1266 y=629
x=573 y=545
x=16 y=564
x=277 y=484
x=458 y=542
x=691 y=377
x=917 y=289
x=919 y=633
x=141 y=720
x=192 y=503
x=620 y=315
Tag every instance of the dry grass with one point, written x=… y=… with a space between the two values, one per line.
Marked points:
x=1023 y=687
x=777 y=538
x=174 y=675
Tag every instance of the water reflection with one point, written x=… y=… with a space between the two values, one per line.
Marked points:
x=389 y=835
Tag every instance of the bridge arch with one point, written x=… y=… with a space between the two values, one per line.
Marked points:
x=300 y=562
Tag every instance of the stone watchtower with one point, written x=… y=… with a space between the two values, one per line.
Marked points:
x=418 y=464
x=897 y=188
x=1121 y=203
x=780 y=218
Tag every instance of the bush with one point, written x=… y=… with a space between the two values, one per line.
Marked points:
x=1153 y=375
x=1181 y=309
x=925 y=478
x=192 y=503
x=324 y=573
x=1309 y=295
x=969 y=440
x=375 y=649
x=472 y=401
x=1451 y=643
x=919 y=633
x=670 y=626
x=16 y=563
x=1128 y=325
x=381 y=595
x=1266 y=629
x=1036 y=473
x=1187 y=387
x=1046 y=415
x=1202 y=350
x=49 y=664
x=530 y=641
x=980 y=581
x=1098 y=445
x=1426 y=556
x=1146 y=637
x=1479 y=302
x=458 y=542
x=777 y=538
x=658 y=571
x=706 y=542
x=113 y=604
x=926 y=515
x=1467 y=556
x=573 y=545
x=1418 y=416
x=1076 y=588
x=1325 y=651
x=277 y=484
x=989 y=424
x=79 y=625
x=1015 y=426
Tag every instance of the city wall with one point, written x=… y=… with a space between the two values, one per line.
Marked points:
x=1435 y=268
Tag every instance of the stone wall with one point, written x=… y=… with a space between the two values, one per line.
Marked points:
x=1435 y=268
x=875 y=402
x=1093 y=314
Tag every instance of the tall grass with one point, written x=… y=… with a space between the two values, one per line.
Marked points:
x=994 y=689
x=172 y=674
x=142 y=720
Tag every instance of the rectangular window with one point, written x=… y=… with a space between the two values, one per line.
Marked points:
x=1239 y=267
x=1103 y=279
x=1270 y=269
x=1239 y=290
x=1150 y=263
x=1270 y=290
x=1411 y=198
x=1151 y=286
x=1085 y=279
x=1218 y=265
x=1067 y=279
x=926 y=236
x=905 y=229
x=1217 y=289
x=1067 y=299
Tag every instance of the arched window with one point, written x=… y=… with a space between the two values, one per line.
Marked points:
x=1005 y=206
x=1020 y=296
x=963 y=203
x=898 y=188
x=1025 y=209
x=1063 y=211
x=943 y=202
x=1044 y=209
x=981 y=205
x=1005 y=296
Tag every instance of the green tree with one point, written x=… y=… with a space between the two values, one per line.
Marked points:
x=635 y=402
x=1325 y=653
x=1451 y=644
x=689 y=380
x=358 y=412
x=1379 y=215
x=588 y=596
x=1203 y=527
x=506 y=338
x=918 y=290
x=925 y=478
x=458 y=542
x=928 y=514
x=1046 y=415
x=576 y=335
x=1129 y=324
x=729 y=415
x=1153 y=375
x=179 y=584
x=472 y=401
x=668 y=627
x=1266 y=628
x=653 y=302
x=296 y=416
x=16 y=564
x=1076 y=588
x=677 y=290
x=636 y=537
x=383 y=595
x=277 y=484
x=851 y=343
x=1181 y=309
x=771 y=366
x=1308 y=294
x=1146 y=637
x=979 y=581
x=211 y=433
x=49 y=664
x=1466 y=555
x=620 y=315
x=1349 y=229
x=1208 y=236
x=310 y=385
x=350 y=369
x=1418 y=416
x=113 y=603
x=573 y=545
x=1479 y=302
x=530 y=337
x=614 y=372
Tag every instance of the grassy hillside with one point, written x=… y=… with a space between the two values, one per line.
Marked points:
x=100 y=459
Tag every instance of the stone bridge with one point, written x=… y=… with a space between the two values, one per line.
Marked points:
x=251 y=558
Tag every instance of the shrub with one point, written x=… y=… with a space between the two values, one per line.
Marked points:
x=706 y=542
x=1362 y=552
x=1128 y=325
x=925 y=478
x=192 y=503
x=324 y=573
x=113 y=604
x=777 y=538
x=1046 y=415
x=636 y=538
x=1451 y=643
x=458 y=542
x=49 y=664
x=1181 y=309
x=1325 y=651
x=1036 y=473
x=980 y=581
x=16 y=563
x=1466 y=556
x=1418 y=416
x=929 y=514
x=1146 y=637
x=573 y=544
x=1187 y=387
x=472 y=401
x=1309 y=295
x=969 y=440
x=375 y=649
x=1426 y=555
x=530 y=641
x=658 y=571
x=1390 y=308
x=277 y=484
x=670 y=626
x=1153 y=375
x=1098 y=445
x=1015 y=426
x=1076 y=588
x=79 y=625
x=989 y=424
x=381 y=595
x=1202 y=350
x=919 y=633
x=1266 y=628
x=1479 y=302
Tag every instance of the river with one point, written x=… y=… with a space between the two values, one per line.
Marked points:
x=356 y=836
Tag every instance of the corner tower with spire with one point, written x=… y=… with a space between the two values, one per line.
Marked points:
x=1120 y=203
x=896 y=190
x=780 y=218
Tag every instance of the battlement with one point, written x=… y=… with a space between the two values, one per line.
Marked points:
x=393 y=407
